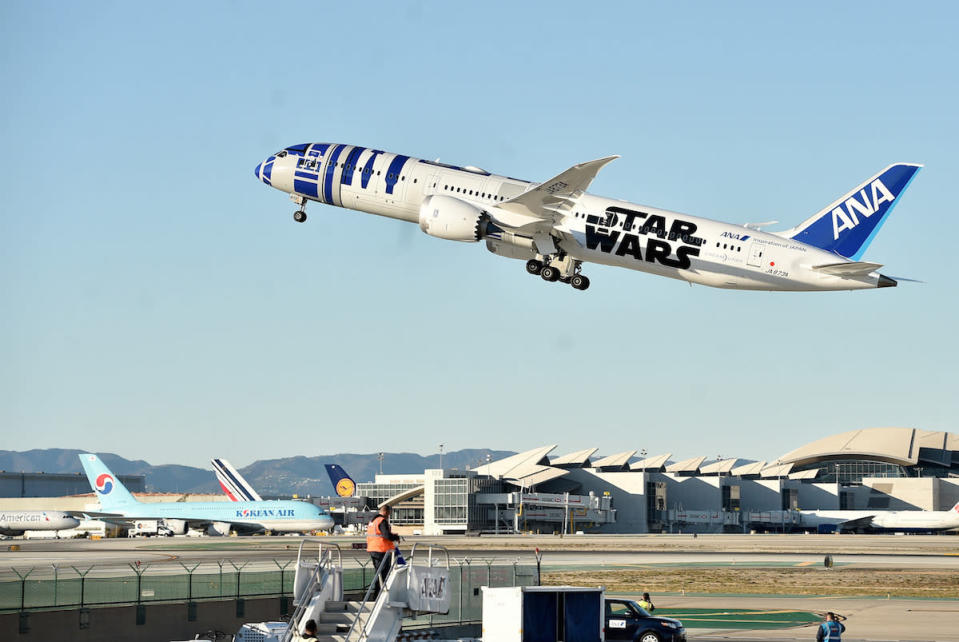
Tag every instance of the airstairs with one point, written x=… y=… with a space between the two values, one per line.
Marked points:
x=410 y=588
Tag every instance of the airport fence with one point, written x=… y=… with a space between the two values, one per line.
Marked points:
x=76 y=586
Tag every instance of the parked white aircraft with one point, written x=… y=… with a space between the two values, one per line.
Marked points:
x=555 y=226
x=894 y=520
x=17 y=522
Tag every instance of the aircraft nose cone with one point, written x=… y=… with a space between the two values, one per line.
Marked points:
x=259 y=168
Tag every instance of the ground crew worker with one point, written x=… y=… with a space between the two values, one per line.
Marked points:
x=380 y=542
x=647 y=604
x=831 y=629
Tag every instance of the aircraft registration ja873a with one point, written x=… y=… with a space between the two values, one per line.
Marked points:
x=555 y=226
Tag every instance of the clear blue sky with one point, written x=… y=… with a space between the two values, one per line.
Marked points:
x=159 y=302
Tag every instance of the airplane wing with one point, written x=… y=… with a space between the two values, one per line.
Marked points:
x=551 y=199
x=859 y=522
x=848 y=268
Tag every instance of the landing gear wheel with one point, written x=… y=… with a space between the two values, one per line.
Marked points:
x=299 y=216
x=579 y=282
x=549 y=273
x=534 y=267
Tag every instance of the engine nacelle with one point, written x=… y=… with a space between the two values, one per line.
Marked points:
x=512 y=246
x=177 y=526
x=452 y=219
x=218 y=529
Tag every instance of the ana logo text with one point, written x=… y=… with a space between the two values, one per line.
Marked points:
x=847 y=219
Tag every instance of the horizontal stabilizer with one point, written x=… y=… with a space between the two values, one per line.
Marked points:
x=847 y=268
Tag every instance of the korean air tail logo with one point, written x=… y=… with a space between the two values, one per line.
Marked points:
x=865 y=204
x=104 y=484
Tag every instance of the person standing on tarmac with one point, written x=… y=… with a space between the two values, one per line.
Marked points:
x=380 y=542
x=831 y=629
x=647 y=604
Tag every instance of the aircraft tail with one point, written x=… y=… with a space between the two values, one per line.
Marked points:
x=233 y=483
x=111 y=493
x=342 y=482
x=848 y=225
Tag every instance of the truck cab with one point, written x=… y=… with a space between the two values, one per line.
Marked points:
x=627 y=620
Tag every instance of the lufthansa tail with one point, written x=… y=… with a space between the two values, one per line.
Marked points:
x=848 y=226
x=112 y=494
x=342 y=483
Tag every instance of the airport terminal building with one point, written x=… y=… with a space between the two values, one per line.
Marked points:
x=539 y=491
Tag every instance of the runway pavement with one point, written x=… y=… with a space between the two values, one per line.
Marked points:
x=873 y=619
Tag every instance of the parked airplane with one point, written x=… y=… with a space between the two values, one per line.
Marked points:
x=219 y=517
x=17 y=522
x=233 y=483
x=888 y=520
x=343 y=484
x=555 y=226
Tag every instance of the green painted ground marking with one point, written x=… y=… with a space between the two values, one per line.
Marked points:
x=740 y=618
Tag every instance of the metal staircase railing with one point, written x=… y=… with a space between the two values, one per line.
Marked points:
x=322 y=573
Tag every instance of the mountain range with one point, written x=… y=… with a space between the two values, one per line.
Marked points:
x=304 y=476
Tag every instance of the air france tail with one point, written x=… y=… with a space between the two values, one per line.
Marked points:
x=848 y=226
x=342 y=483
x=111 y=493
x=233 y=483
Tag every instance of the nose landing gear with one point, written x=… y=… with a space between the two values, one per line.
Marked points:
x=300 y=214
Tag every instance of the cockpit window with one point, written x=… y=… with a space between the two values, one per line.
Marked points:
x=281 y=154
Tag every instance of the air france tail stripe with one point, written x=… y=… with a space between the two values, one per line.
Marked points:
x=237 y=486
x=227 y=491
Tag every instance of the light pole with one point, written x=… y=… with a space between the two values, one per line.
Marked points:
x=441 y=456
x=380 y=457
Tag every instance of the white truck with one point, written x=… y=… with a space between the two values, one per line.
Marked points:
x=149 y=528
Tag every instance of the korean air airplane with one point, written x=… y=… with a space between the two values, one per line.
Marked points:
x=218 y=517
x=556 y=226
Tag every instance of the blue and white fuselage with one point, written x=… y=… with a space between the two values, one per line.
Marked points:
x=556 y=226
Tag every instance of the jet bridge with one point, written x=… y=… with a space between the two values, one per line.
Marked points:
x=518 y=510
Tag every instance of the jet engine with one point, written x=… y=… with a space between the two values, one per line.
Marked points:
x=218 y=528
x=176 y=526
x=452 y=219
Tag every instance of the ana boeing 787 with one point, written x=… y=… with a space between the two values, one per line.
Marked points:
x=556 y=226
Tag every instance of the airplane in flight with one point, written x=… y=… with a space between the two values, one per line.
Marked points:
x=15 y=523
x=233 y=483
x=556 y=226
x=883 y=520
x=220 y=518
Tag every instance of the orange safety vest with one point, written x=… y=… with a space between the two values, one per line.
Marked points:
x=376 y=543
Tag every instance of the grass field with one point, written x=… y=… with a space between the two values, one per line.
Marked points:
x=925 y=583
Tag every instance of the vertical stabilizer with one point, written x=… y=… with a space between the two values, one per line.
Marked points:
x=111 y=493
x=848 y=225
x=233 y=483
x=342 y=482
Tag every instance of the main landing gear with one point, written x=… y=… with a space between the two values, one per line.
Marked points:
x=552 y=273
x=299 y=215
